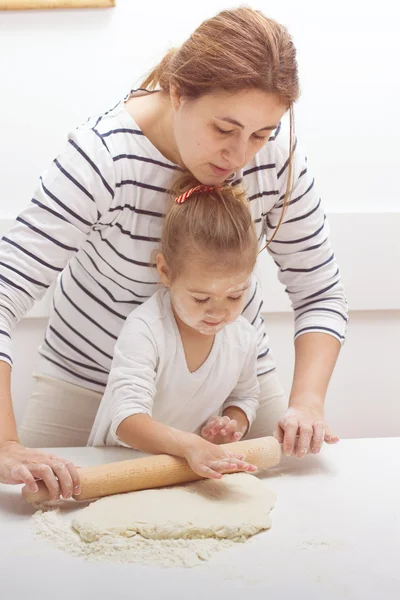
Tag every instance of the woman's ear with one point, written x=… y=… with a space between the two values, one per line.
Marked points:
x=175 y=95
x=162 y=269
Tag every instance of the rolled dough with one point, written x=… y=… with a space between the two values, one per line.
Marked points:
x=234 y=507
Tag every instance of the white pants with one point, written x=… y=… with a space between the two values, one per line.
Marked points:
x=60 y=414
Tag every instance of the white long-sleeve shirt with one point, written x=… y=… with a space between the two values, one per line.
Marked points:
x=95 y=220
x=149 y=374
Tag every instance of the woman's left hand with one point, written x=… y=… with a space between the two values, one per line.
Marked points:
x=302 y=430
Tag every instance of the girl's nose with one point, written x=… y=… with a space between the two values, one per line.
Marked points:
x=216 y=312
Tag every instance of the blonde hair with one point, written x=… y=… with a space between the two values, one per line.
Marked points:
x=235 y=50
x=214 y=226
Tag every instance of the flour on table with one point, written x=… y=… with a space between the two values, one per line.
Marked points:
x=181 y=525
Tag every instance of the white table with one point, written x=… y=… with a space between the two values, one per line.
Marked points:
x=335 y=534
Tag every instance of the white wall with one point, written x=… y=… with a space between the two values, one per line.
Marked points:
x=58 y=67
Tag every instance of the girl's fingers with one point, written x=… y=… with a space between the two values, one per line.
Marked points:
x=206 y=431
x=206 y=471
x=219 y=425
x=239 y=455
x=222 y=466
x=231 y=464
x=233 y=436
x=229 y=428
x=245 y=466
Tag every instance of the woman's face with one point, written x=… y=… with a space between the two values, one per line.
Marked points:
x=219 y=133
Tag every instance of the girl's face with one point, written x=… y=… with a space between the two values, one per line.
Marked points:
x=205 y=297
x=219 y=133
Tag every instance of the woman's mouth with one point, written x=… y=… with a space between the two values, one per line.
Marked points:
x=219 y=171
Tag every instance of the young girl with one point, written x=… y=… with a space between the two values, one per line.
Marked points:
x=184 y=375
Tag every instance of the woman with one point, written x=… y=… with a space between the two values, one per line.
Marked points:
x=214 y=107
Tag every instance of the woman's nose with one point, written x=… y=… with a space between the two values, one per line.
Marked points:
x=235 y=153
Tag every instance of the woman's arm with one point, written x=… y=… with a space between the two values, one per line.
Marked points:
x=25 y=465
x=8 y=428
x=68 y=201
x=307 y=266
x=316 y=355
x=302 y=250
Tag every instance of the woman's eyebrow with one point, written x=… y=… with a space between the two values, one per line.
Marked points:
x=234 y=122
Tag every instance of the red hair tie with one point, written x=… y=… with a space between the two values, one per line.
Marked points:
x=198 y=188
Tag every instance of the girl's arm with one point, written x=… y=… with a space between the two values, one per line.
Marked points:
x=144 y=433
x=126 y=409
x=206 y=459
x=239 y=410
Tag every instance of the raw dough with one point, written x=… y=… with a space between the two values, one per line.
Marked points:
x=234 y=507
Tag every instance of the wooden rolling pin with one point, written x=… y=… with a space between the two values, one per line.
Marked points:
x=155 y=471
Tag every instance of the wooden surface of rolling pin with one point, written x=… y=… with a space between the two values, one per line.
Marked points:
x=155 y=471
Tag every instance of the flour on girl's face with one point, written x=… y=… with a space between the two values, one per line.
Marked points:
x=209 y=298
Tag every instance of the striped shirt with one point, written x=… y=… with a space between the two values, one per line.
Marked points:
x=95 y=221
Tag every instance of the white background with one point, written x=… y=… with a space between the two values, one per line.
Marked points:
x=58 y=67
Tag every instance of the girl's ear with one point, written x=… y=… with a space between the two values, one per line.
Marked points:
x=162 y=269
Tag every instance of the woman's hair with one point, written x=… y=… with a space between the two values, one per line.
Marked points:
x=239 y=49
x=214 y=226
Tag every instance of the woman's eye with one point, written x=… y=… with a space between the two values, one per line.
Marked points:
x=235 y=299
x=201 y=301
x=223 y=131
x=261 y=138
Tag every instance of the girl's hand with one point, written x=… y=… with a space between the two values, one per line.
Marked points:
x=26 y=465
x=210 y=461
x=303 y=430
x=221 y=430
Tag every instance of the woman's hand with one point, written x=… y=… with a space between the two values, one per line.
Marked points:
x=302 y=430
x=221 y=430
x=26 y=465
x=210 y=461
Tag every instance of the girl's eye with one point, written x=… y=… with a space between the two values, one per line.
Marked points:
x=223 y=131
x=201 y=301
x=235 y=299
